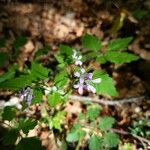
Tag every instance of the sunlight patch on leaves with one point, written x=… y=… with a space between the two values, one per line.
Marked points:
x=119 y=44
x=120 y=57
x=54 y=99
x=91 y=42
x=106 y=81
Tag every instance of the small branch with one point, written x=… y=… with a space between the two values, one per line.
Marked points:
x=106 y=101
x=135 y=136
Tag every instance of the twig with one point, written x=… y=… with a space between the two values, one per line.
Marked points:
x=106 y=101
x=135 y=136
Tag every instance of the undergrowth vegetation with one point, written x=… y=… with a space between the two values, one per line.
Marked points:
x=51 y=85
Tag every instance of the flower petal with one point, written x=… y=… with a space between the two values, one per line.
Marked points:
x=77 y=74
x=91 y=88
x=79 y=57
x=82 y=70
x=89 y=76
x=98 y=80
x=81 y=80
x=78 y=62
x=76 y=86
x=80 y=90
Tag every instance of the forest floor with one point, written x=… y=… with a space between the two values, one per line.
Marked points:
x=65 y=22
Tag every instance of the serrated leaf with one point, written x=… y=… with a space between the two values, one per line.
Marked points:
x=91 y=42
x=120 y=57
x=3 y=58
x=26 y=124
x=93 y=112
x=75 y=135
x=54 y=99
x=38 y=71
x=111 y=140
x=64 y=49
x=91 y=55
x=31 y=143
x=19 y=42
x=106 y=123
x=61 y=79
x=106 y=86
x=95 y=143
x=119 y=44
x=37 y=96
x=8 y=75
x=16 y=83
x=10 y=137
x=9 y=113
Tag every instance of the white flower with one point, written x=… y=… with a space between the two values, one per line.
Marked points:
x=14 y=101
x=77 y=58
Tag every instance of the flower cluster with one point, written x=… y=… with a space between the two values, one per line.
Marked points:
x=85 y=81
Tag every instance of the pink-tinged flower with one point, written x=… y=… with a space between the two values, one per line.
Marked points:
x=77 y=58
x=85 y=81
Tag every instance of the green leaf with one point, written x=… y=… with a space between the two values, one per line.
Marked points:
x=30 y=143
x=19 y=42
x=91 y=42
x=91 y=55
x=95 y=143
x=106 y=86
x=10 y=137
x=2 y=42
x=42 y=51
x=75 y=135
x=64 y=49
x=9 y=113
x=54 y=99
x=26 y=124
x=119 y=44
x=127 y=146
x=3 y=58
x=93 y=112
x=61 y=79
x=16 y=83
x=101 y=59
x=8 y=75
x=140 y=13
x=38 y=94
x=106 y=123
x=57 y=120
x=120 y=57
x=38 y=71
x=111 y=140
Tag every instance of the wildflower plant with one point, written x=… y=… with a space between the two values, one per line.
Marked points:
x=52 y=88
